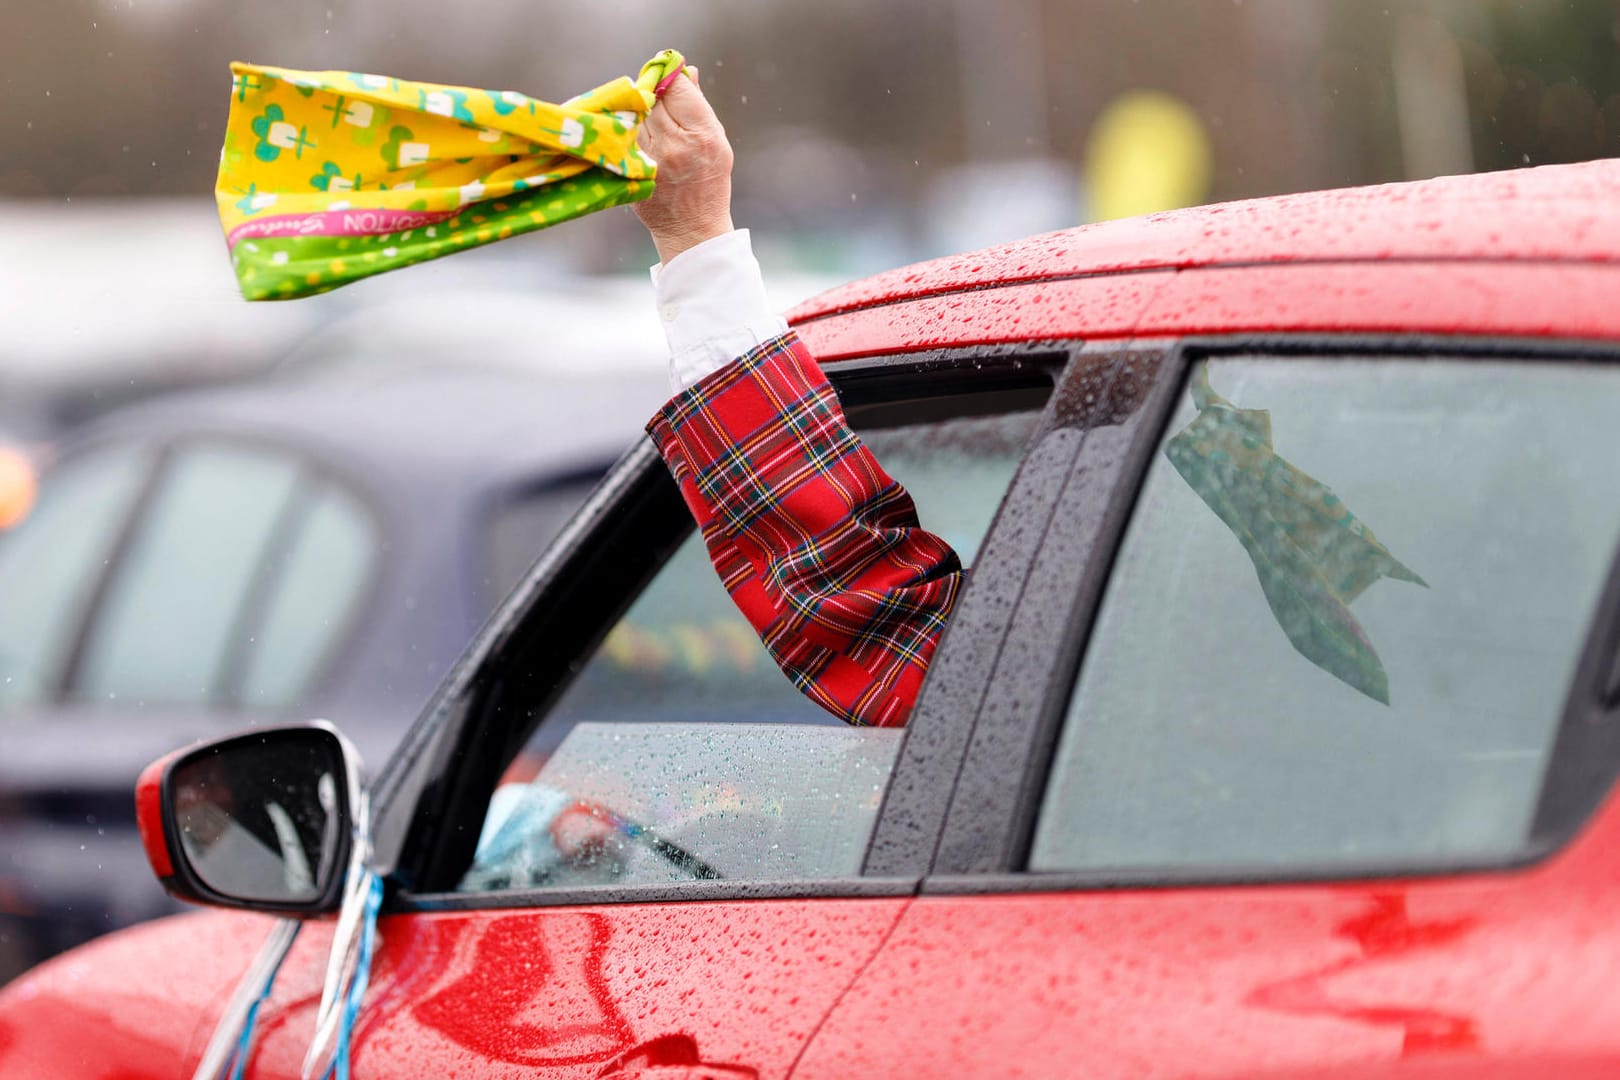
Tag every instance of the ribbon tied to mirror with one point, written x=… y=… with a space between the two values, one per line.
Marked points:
x=327 y=177
x=348 y=970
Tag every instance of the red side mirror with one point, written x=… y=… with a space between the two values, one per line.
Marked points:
x=263 y=820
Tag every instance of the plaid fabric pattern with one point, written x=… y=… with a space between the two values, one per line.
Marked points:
x=817 y=545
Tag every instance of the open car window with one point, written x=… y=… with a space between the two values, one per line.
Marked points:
x=1342 y=623
x=681 y=752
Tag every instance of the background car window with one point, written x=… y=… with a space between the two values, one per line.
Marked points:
x=1228 y=713
x=312 y=597
x=50 y=564
x=687 y=750
x=521 y=527
x=184 y=578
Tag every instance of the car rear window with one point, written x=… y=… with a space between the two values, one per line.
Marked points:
x=1343 y=620
x=50 y=564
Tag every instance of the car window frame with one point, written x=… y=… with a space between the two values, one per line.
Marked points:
x=991 y=824
x=312 y=475
x=439 y=782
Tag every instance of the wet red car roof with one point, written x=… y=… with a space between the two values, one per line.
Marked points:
x=1477 y=217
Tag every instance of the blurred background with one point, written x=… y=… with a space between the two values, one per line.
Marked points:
x=253 y=506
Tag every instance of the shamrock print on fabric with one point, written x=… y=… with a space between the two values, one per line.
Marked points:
x=576 y=133
x=451 y=103
x=401 y=172
x=508 y=102
x=243 y=83
x=252 y=200
x=276 y=135
x=372 y=82
x=331 y=178
x=354 y=113
x=400 y=153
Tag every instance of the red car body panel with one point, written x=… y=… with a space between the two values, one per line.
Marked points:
x=1450 y=218
x=135 y=1005
x=1509 y=974
x=1499 y=299
x=529 y=992
x=1513 y=973
x=556 y=992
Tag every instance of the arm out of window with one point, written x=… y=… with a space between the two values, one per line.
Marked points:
x=818 y=546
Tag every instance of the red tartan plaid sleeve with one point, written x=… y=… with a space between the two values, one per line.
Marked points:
x=819 y=547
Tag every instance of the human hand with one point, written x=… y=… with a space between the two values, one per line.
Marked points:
x=582 y=831
x=691 y=201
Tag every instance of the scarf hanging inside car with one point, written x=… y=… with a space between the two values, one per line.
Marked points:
x=1311 y=554
x=331 y=176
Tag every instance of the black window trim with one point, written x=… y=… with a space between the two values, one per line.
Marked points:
x=436 y=787
x=1581 y=769
x=931 y=760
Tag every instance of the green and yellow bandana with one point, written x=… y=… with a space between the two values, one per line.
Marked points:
x=331 y=176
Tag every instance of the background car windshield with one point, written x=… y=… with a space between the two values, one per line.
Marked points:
x=1201 y=735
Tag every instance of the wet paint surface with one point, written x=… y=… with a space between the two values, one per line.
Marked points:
x=1493 y=975
x=1421 y=298
x=134 y=1005
x=1088 y=307
x=560 y=992
x=1461 y=217
x=1416 y=298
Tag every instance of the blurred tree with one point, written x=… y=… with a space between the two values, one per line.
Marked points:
x=841 y=110
x=1544 y=81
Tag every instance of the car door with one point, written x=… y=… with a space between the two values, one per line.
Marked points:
x=725 y=908
x=1187 y=839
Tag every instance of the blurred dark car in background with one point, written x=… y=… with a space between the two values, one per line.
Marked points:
x=311 y=547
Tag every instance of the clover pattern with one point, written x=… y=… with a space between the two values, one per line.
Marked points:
x=507 y=102
x=402 y=153
x=276 y=135
x=490 y=179
x=331 y=178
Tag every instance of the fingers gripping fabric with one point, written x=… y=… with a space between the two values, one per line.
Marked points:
x=330 y=176
x=818 y=546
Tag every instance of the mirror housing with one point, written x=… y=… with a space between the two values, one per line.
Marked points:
x=262 y=821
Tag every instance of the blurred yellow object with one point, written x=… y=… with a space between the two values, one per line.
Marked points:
x=1148 y=151
x=18 y=487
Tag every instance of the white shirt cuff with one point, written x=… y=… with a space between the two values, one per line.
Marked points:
x=711 y=300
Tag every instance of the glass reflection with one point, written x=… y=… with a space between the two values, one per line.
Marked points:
x=258 y=820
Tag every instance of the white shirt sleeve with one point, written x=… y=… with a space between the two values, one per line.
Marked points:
x=711 y=300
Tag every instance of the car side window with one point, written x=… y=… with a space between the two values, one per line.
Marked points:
x=1343 y=619
x=50 y=563
x=167 y=621
x=314 y=592
x=680 y=751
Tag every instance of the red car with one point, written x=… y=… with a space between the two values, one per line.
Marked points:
x=1189 y=791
